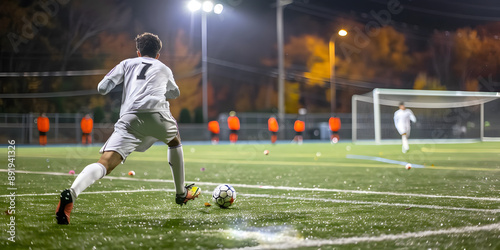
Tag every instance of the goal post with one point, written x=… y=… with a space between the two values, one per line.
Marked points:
x=442 y=114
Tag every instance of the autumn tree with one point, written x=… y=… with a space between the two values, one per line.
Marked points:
x=477 y=55
x=184 y=63
x=383 y=58
x=82 y=21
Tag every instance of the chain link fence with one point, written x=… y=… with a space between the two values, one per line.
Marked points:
x=65 y=128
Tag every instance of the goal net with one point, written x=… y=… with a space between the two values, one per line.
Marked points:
x=441 y=115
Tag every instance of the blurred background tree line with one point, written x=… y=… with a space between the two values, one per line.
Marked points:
x=82 y=37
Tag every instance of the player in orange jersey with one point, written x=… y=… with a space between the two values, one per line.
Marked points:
x=273 y=127
x=87 y=124
x=214 y=128
x=299 y=128
x=334 y=124
x=43 y=125
x=234 y=125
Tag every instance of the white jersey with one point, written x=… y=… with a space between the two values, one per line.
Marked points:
x=402 y=120
x=147 y=83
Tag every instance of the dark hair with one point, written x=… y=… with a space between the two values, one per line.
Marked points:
x=148 y=44
x=401 y=103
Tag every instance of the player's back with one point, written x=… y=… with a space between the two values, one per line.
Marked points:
x=146 y=84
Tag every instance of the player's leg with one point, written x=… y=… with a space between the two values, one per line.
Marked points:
x=119 y=145
x=274 y=137
x=404 y=140
x=164 y=127
x=43 y=138
x=402 y=130
x=95 y=171
x=184 y=193
x=176 y=162
x=91 y=173
x=117 y=148
x=236 y=136
x=233 y=136
x=334 y=137
x=406 y=144
x=215 y=138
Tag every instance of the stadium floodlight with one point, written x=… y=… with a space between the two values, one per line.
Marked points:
x=218 y=8
x=208 y=6
x=333 y=85
x=194 y=5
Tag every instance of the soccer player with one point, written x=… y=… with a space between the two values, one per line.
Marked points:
x=272 y=125
x=402 y=119
x=43 y=125
x=144 y=119
x=233 y=123
x=334 y=124
x=299 y=127
x=86 y=124
x=214 y=128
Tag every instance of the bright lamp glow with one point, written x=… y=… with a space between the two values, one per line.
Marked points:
x=342 y=32
x=218 y=8
x=208 y=6
x=194 y=5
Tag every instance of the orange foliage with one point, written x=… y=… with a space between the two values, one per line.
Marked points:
x=189 y=84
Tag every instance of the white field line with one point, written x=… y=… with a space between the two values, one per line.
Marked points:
x=373 y=203
x=279 y=187
x=406 y=205
x=99 y=192
x=356 y=240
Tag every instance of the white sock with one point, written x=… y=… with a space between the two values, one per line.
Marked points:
x=406 y=146
x=176 y=161
x=88 y=176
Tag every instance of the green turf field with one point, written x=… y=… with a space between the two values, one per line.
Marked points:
x=307 y=196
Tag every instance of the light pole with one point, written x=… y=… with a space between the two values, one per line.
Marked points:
x=207 y=7
x=280 y=4
x=333 y=85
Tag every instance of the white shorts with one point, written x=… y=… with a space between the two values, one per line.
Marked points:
x=139 y=131
x=403 y=129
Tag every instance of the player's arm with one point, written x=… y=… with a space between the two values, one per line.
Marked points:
x=172 y=88
x=412 y=117
x=113 y=78
x=105 y=86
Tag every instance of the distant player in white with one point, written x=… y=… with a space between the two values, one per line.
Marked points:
x=402 y=119
x=144 y=119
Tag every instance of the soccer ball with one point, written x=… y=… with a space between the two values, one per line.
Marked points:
x=224 y=195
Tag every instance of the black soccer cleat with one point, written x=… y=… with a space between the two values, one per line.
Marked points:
x=192 y=192
x=64 y=207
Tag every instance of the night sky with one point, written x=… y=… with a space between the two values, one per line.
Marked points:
x=244 y=36
x=246 y=31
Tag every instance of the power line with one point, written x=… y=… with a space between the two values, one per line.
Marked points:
x=55 y=73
